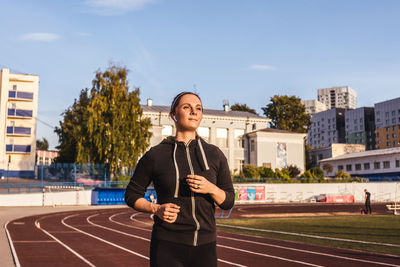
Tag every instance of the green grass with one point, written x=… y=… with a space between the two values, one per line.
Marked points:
x=371 y=228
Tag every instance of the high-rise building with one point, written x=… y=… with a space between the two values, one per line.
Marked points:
x=313 y=106
x=387 y=121
x=18 y=110
x=338 y=97
x=327 y=127
x=360 y=127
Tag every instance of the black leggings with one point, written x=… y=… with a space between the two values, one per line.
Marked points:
x=168 y=254
x=368 y=207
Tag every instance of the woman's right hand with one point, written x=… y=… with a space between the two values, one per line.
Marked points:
x=168 y=212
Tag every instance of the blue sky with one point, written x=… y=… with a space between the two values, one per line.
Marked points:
x=243 y=51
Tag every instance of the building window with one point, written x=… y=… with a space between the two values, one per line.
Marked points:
x=358 y=166
x=14 y=87
x=204 y=132
x=377 y=165
x=252 y=146
x=238 y=134
x=254 y=127
x=348 y=167
x=397 y=163
x=387 y=143
x=166 y=130
x=340 y=167
x=386 y=164
x=366 y=166
x=222 y=137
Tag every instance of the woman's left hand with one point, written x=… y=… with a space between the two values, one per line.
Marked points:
x=199 y=184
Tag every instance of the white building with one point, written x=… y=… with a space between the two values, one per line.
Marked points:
x=370 y=163
x=18 y=111
x=338 y=97
x=223 y=128
x=313 y=106
x=275 y=148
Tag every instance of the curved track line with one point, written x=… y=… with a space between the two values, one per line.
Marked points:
x=123 y=233
x=266 y=255
x=133 y=219
x=311 y=236
x=307 y=251
x=14 y=253
x=101 y=239
x=37 y=224
x=111 y=219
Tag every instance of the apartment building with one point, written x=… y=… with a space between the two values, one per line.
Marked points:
x=360 y=126
x=387 y=121
x=327 y=127
x=338 y=97
x=223 y=128
x=314 y=106
x=18 y=111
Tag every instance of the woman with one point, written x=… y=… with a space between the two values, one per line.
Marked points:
x=189 y=176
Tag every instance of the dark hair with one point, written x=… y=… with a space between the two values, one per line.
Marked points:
x=177 y=98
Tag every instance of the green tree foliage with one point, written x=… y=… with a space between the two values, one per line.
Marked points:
x=342 y=174
x=73 y=133
x=328 y=168
x=266 y=172
x=42 y=144
x=251 y=171
x=242 y=107
x=283 y=174
x=287 y=113
x=107 y=125
x=317 y=172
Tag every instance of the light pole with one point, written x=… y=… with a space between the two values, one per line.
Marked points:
x=8 y=168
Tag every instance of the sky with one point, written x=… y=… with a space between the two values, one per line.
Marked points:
x=241 y=51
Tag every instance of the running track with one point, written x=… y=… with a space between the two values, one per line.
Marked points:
x=120 y=237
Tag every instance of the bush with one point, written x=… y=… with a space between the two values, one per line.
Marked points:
x=342 y=174
x=251 y=171
x=317 y=172
x=293 y=171
x=266 y=172
x=283 y=174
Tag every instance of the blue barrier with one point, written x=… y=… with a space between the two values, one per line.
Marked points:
x=116 y=196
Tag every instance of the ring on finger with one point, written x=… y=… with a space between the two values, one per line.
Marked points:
x=198 y=186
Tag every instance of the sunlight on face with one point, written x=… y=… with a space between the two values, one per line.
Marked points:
x=188 y=113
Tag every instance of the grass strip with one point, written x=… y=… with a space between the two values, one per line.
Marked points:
x=372 y=228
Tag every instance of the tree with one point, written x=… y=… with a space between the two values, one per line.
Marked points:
x=116 y=125
x=251 y=171
x=328 y=168
x=242 y=107
x=42 y=144
x=105 y=126
x=287 y=113
x=293 y=170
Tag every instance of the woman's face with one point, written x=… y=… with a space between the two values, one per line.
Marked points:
x=188 y=113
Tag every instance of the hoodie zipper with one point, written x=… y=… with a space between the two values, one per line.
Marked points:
x=196 y=232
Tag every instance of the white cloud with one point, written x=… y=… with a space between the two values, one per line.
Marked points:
x=261 y=67
x=116 y=7
x=40 y=36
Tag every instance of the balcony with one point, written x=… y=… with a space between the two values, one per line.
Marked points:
x=24 y=131
x=20 y=95
x=20 y=113
x=18 y=149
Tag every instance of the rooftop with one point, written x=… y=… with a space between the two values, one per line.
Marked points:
x=368 y=153
x=212 y=112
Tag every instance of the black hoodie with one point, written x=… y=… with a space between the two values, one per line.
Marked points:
x=167 y=166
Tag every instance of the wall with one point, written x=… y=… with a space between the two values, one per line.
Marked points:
x=81 y=197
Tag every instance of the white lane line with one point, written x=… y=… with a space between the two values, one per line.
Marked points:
x=101 y=239
x=269 y=256
x=111 y=219
x=35 y=241
x=37 y=224
x=311 y=236
x=14 y=253
x=139 y=228
x=133 y=219
x=306 y=251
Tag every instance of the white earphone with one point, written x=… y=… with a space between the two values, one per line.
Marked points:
x=173 y=117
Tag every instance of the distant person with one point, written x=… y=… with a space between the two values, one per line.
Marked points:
x=189 y=176
x=367 y=202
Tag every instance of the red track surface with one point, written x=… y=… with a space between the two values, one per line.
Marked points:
x=120 y=237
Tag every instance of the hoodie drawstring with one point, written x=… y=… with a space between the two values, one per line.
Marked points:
x=177 y=173
x=203 y=155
